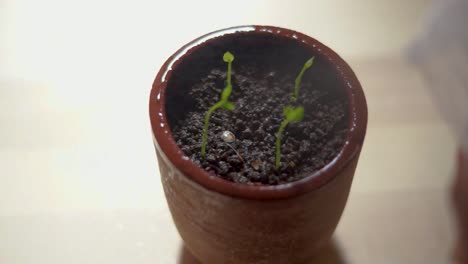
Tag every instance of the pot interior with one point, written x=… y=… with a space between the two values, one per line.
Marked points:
x=263 y=51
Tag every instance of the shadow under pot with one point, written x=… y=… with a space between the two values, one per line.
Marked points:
x=259 y=193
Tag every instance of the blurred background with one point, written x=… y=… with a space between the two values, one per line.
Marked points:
x=79 y=182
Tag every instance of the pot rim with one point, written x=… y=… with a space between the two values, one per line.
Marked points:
x=169 y=150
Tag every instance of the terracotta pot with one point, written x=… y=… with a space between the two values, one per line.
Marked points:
x=225 y=222
x=460 y=198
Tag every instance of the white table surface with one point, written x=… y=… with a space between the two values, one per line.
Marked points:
x=79 y=181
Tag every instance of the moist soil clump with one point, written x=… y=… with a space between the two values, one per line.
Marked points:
x=259 y=98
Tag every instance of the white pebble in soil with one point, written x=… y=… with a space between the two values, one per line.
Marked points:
x=228 y=137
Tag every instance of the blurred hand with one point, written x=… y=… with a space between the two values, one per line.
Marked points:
x=460 y=195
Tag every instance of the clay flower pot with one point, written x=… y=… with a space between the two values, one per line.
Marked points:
x=225 y=222
x=460 y=199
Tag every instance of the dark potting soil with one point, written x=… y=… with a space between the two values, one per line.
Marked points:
x=259 y=99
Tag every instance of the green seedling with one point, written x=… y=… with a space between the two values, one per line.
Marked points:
x=223 y=103
x=292 y=115
x=298 y=80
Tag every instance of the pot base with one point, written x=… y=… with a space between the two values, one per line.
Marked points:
x=330 y=254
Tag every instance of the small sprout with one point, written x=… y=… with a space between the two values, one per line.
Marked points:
x=298 y=80
x=223 y=103
x=293 y=115
x=228 y=57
